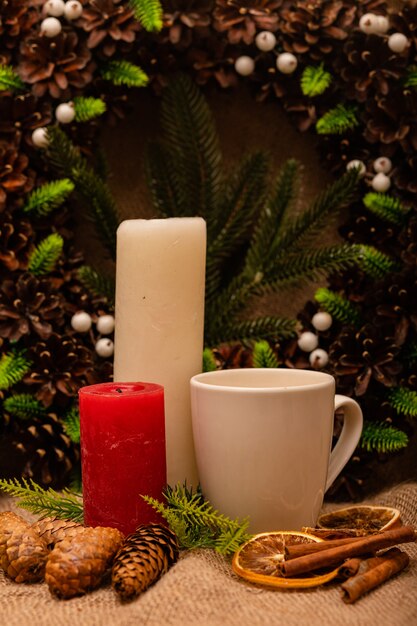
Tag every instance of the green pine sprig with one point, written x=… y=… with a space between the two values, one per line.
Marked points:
x=44 y=502
x=209 y=360
x=149 y=13
x=386 y=207
x=88 y=108
x=9 y=80
x=411 y=78
x=263 y=355
x=337 y=306
x=338 y=120
x=71 y=424
x=48 y=197
x=13 y=366
x=315 y=80
x=375 y=263
x=196 y=523
x=45 y=256
x=404 y=401
x=124 y=73
x=24 y=406
x=98 y=284
x=382 y=438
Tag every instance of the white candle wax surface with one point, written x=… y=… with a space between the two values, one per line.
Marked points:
x=160 y=281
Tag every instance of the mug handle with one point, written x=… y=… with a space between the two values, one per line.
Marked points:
x=349 y=437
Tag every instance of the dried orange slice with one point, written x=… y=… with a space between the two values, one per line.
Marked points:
x=369 y=519
x=258 y=561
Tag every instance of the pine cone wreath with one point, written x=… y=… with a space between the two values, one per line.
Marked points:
x=78 y=564
x=145 y=556
x=23 y=553
x=242 y=18
x=16 y=240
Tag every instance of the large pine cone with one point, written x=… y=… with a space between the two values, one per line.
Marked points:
x=23 y=552
x=241 y=18
x=21 y=114
x=17 y=17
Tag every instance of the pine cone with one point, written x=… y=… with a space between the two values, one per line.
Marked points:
x=108 y=23
x=53 y=530
x=408 y=243
x=14 y=175
x=22 y=113
x=241 y=18
x=17 y=17
x=29 y=305
x=214 y=61
x=23 y=553
x=231 y=356
x=55 y=65
x=145 y=556
x=78 y=564
x=181 y=16
x=16 y=237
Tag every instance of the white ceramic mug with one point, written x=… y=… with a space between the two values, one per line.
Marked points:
x=263 y=443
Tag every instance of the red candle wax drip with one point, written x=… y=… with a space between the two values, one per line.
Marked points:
x=122 y=453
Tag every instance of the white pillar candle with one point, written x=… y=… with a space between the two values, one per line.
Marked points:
x=160 y=280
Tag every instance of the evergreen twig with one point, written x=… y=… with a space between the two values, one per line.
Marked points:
x=149 y=13
x=99 y=285
x=124 y=73
x=48 y=197
x=338 y=120
x=45 y=256
x=404 y=401
x=13 y=366
x=263 y=355
x=24 y=406
x=88 y=108
x=315 y=80
x=209 y=361
x=375 y=263
x=382 y=438
x=9 y=80
x=71 y=424
x=386 y=207
x=339 y=307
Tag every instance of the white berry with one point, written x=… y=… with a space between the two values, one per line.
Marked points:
x=81 y=322
x=318 y=358
x=65 y=112
x=55 y=7
x=265 y=41
x=104 y=347
x=287 y=63
x=382 y=164
x=244 y=65
x=359 y=165
x=381 y=182
x=105 y=324
x=73 y=9
x=50 y=27
x=382 y=24
x=397 y=42
x=40 y=137
x=368 y=23
x=322 y=320
x=307 y=341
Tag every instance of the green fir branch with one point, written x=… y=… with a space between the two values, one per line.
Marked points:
x=411 y=78
x=44 y=502
x=13 y=366
x=386 y=207
x=24 y=406
x=45 y=256
x=315 y=80
x=209 y=361
x=258 y=329
x=263 y=355
x=404 y=401
x=149 y=13
x=88 y=108
x=9 y=80
x=196 y=523
x=338 y=120
x=339 y=307
x=124 y=73
x=375 y=263
x=99 y=285
x=71 y=424
x=382 y=438
x=48 y=197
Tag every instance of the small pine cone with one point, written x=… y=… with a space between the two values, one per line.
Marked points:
x=23 y=553
x=53 y=530
x=145 y=556
x=78 y=564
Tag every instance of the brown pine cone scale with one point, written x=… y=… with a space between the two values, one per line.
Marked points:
x=23 y=553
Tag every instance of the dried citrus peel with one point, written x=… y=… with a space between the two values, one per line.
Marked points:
x=367 y=518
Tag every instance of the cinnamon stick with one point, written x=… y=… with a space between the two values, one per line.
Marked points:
x=358 y=565
x=301 y=549
x=392 y=562
x=335 y=556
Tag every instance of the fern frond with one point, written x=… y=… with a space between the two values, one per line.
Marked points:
x=382 y=438
x=338 y=120
x=44 y=502
x=88 y=108
x=263 y=355
x=124 y=73
x=13 y=366
x=209 y=361
x=71 y=424
x=24 y=406
x=9 y=80
x=99 y=285
x=376 y=263
x=404 y=401
x=386 y=207
x=149 y=13
x=315 y=80
x=48 y=197
x=339 y=307
x=45 y=256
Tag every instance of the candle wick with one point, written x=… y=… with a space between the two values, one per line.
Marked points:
x=119 y=390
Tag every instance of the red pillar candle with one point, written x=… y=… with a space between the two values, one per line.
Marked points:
x=122 y=453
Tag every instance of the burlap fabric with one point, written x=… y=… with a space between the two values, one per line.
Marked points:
x=201 y=589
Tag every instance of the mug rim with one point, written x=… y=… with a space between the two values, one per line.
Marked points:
x=317 y=380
